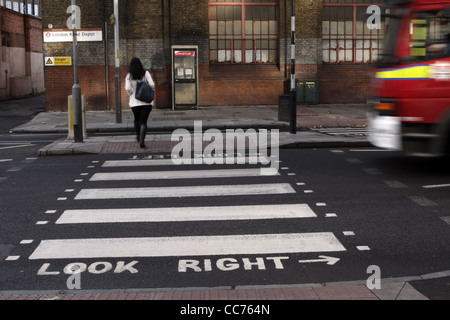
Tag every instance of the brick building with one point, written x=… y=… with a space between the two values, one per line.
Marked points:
x=244 y=48
x=21 y=57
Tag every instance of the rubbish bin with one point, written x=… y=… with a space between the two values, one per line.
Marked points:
x=307 y=91
x=284 y=108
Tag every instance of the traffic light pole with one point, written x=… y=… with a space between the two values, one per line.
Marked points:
x=118 y=88
x=76 y=89
x=293 y=104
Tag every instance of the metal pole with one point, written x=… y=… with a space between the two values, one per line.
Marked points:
x=117 y=58
x=293 y=104
x=76 y=89
x=106 y=66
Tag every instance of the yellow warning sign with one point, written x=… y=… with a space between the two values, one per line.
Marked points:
x=58 y=61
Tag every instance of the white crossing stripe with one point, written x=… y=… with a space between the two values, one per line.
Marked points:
x=346 y=131
x=17 y=146
x=137 y=163
x=187 y=246
x=436 y=186
x=170 y=162
x=182 y=174
x=285 y=211
x=191 y=191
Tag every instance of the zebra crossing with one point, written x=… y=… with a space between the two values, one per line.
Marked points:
x=131 y=170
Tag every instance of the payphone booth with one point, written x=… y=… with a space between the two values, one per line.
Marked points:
x=184 y=76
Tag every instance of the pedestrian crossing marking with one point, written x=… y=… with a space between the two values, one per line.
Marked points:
x=137 y=163
x=170 y=162
x=181 y=174
x=191 y=191
x=184 y=246
x=221 y=213
x=343 y=131
x=187 y=246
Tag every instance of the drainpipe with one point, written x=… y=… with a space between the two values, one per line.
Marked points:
x=117 y=58
x=6 y=80
x=106 y=58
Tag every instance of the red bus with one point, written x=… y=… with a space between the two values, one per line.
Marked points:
x=412 y=82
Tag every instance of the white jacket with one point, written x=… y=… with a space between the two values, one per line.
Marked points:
x=130 y=87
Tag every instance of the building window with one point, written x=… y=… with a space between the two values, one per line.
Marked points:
x=243 y=31
x=31 y=7
x=346 y=36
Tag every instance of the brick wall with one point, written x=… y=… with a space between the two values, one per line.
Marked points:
x=344 y=83
x=241 y=85
x=34 y=34
x=12 y=21
x=21 y=56
x=148 y=30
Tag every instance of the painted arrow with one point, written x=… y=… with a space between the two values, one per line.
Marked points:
x=329 y=260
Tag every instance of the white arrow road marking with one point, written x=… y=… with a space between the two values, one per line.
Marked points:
x=329 y=260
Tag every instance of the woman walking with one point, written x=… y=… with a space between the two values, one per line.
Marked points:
x=141 y=110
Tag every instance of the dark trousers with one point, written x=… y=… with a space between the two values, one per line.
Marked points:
x=141 y=115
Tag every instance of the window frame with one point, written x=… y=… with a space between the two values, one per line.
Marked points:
x=231 y=39
x=342 y=39
x=31 y=7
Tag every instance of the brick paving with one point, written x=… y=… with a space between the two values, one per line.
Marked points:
x=327 y=117
x=282 y=293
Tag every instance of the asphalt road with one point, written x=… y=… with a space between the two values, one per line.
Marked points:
x=14 y=113
x=362 y=208
x=19 y=111
x=374 y=209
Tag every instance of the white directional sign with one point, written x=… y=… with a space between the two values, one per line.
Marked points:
x=65 y=35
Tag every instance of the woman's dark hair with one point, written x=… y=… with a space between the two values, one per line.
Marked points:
x=137 y=70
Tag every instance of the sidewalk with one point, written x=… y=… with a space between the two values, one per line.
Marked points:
x=390 y=289
x=310 y=121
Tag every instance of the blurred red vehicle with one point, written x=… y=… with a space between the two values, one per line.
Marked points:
x=412 y=83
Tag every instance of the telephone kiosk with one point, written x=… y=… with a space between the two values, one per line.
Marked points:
x=184 y=76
